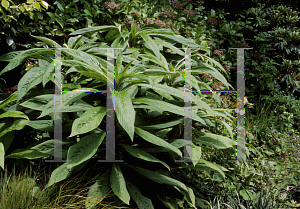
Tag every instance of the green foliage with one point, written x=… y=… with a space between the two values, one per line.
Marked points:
x=152 y=86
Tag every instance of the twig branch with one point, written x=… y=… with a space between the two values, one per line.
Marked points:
x=290 y=189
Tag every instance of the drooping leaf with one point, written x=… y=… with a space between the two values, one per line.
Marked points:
x=61 y=173
x=2 y=154
x=98 y=191
x=214 y=140
x=156 y=140
x=93 y=29
x=118 y=184
x=159 y=105
x=125 y=112
x=142 y=201
x=11 y=98
x=84 y=149
x=143 y=155
x=33 y=77
x=14 y=114
x=47 y=147
x=17 y=125
x=159 y=178
x=88 y=121
x=26 y=154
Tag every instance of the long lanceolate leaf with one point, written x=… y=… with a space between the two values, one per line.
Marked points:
x=47 y=41
x=159 y=178
x=118 y=184
x=66 y=100
x=125 y=112
x=157 y=141
x=32 y=78
x=88 y=121
x=165 y=106
x=142 y=201
x=93 y=29
x=17 y=60
x=84 y=149
x=180 y=94
x=87 y=70
x=98 y=191
x=143 y=155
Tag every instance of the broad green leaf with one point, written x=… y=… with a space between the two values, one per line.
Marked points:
x=60 y=7
x=36 y=5
x=7 y=139
x=213 y=140
x=125 y=112
x=228 y=128
x=14 y=114
x=83 y=56
x=88 y=121
x=45 y=4
x=84 y=149
x=207 y=69
x=142 y=201
x=246 y=194
x=93 y=29
x=196 y=150
x=165 y=124
x=118 y=184
x=9 y=56
x=159 y=178
x=47 y=147
x=98 y=191
x=118 y=64
x=26 y=154
x=149 y=43
x=48 y=74
x=178 y=39
x=143 y=155
x=5 y=4
x=47 y=41
x=67 y=99
x=87 y=70
x=11 y=98
x=2 y=154
x=188 y=195
x=61 y=173
x=156 y=140
x=170 y=46
x=33 y=77
x=17 y=125
x=154 y=59
x=165 y=106
x=178 y=93
x=38 y=102
x=162 y=133
x=73 y=41
x=208 y=166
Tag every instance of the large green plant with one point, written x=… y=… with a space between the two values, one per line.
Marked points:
x=149 y=105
